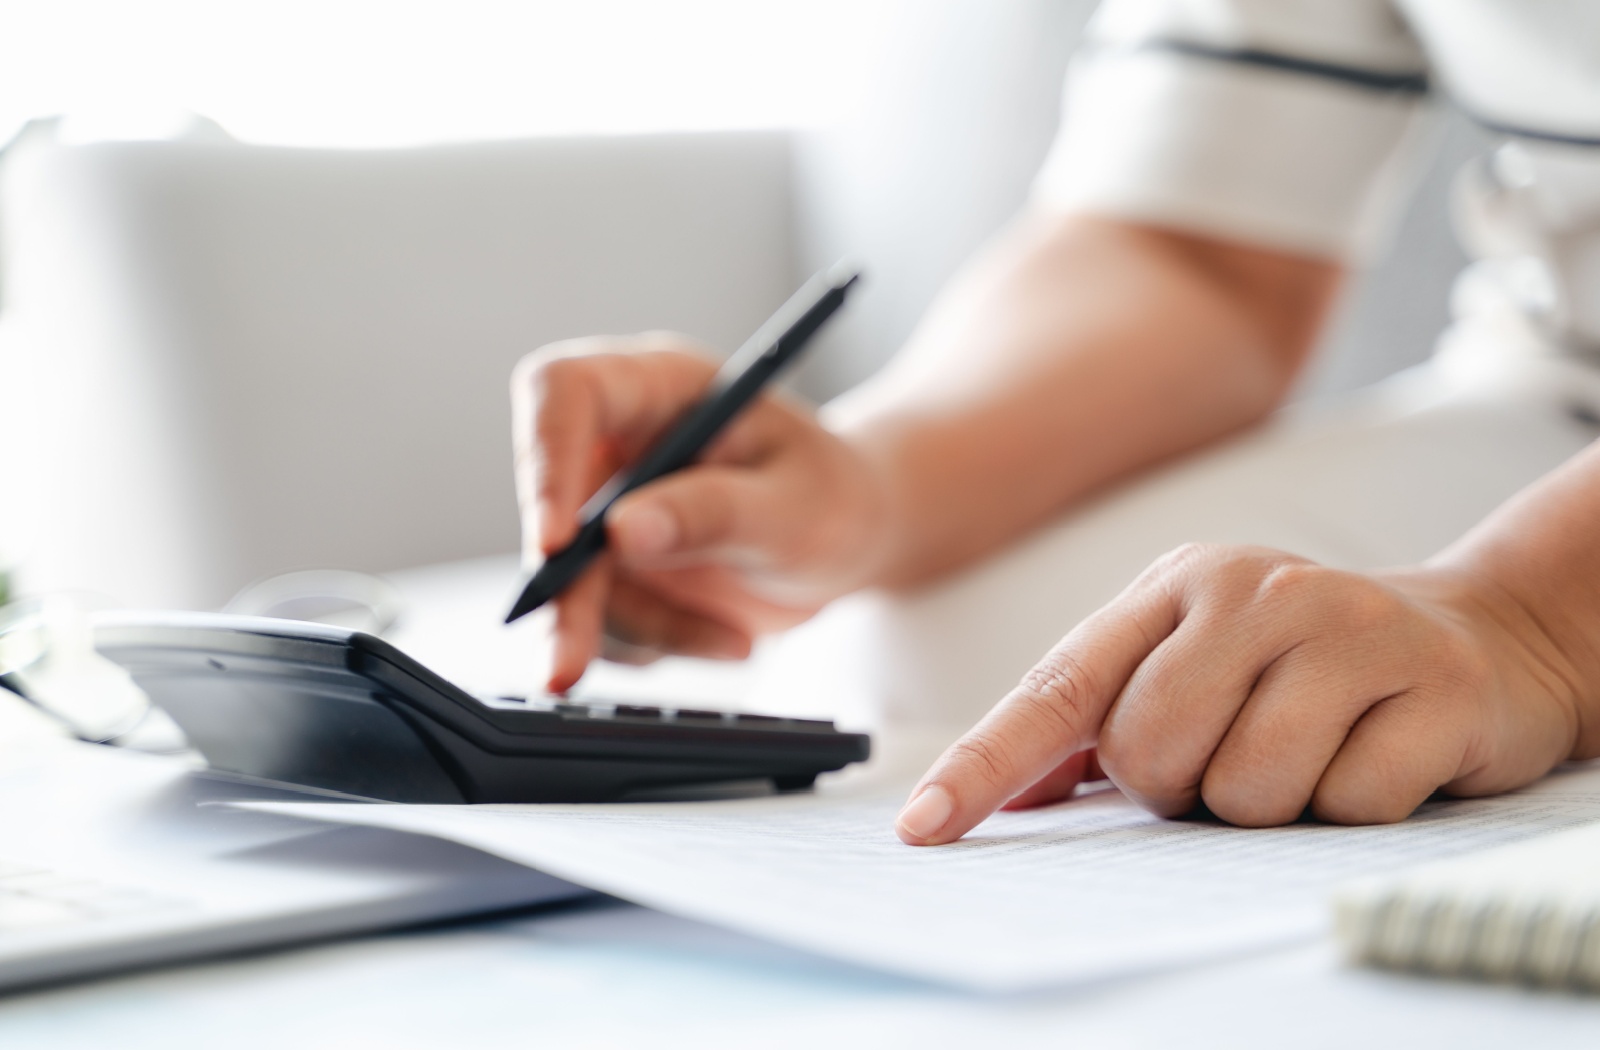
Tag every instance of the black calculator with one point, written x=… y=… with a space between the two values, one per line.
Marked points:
x=324 y=707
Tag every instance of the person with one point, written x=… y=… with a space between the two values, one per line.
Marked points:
x=1221 y=165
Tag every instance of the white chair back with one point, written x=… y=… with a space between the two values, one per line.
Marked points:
x=227 y=361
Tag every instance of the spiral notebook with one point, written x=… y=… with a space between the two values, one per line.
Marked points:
x=1527 y=912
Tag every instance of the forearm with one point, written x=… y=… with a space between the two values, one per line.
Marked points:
x=1537 y=563
x=1072 y=353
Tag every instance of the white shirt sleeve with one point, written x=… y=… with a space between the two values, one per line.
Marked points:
x=1295 y=124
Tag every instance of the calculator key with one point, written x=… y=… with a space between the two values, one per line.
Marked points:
x=638 y=711
x=521 y=703
x=596 y=710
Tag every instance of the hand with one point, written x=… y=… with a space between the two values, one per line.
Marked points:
x=1261 y=684
x=778 y=518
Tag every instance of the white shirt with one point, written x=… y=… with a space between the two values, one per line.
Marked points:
x=1300 y=124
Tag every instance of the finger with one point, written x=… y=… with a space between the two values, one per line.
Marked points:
x=554 y=434
x=573 y=411
x=1263 y=772
x=1057 y=784
x=1243 y=613
x=1092 y=770
x=1400 y=752
x=1178 y=705
x=710 y=513
x=754 y=434
x=641 y=619
x=617 y=651
x=580 y=611
x=1056 y=711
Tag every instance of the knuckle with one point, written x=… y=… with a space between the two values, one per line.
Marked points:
x=1236 y=574
x=1242 y=799
x=537 y=362
x=1287 y=581
x=1055 y=694
x=665 y=339
x=1139 y=771
x=1142 y=768
x=544 y=386
x=1358 y=796
x=983 y=758
x=1354 y=808
x=554 y=378
x=1363 y=604
x=1325 y=597
x=527 y=367
x=1186 y=558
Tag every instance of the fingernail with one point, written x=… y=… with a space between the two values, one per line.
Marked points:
x=646 y=529
x=927 y=813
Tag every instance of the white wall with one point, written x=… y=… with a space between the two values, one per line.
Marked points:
x=935 y=158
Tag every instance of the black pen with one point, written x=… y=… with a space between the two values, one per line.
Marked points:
x=735 y=385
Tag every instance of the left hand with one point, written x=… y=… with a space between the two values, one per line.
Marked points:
x=1261 y=685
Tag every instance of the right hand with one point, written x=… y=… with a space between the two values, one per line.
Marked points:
x=1262 y=686
x=776 y=519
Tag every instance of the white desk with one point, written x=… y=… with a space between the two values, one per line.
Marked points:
x=608 y=974
x=613 y=975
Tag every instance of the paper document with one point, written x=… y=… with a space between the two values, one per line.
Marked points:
x=1092 y=888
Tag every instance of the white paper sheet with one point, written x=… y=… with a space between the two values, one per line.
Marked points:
x=1089 y=889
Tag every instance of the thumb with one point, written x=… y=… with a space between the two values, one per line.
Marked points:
x=714 y=513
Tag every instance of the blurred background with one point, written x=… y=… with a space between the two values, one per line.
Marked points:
x=264 y=268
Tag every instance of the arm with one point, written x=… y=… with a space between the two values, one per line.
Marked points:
x=1260 y=684
x=1073 y=352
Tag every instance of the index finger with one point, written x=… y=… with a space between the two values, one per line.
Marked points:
x=576 y=404
x=1053 y=713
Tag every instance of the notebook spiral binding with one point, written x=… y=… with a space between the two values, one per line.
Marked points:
x=1483 y=932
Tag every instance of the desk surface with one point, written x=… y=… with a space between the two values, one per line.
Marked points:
x=605 y=974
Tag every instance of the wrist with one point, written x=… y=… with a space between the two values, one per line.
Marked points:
x=1530 y=664
x=888 y=542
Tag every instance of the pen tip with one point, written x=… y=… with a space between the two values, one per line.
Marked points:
x=531 y=598
x=843 y=274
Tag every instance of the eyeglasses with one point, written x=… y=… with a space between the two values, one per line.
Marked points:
x=48 y=659
x=357 y=600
